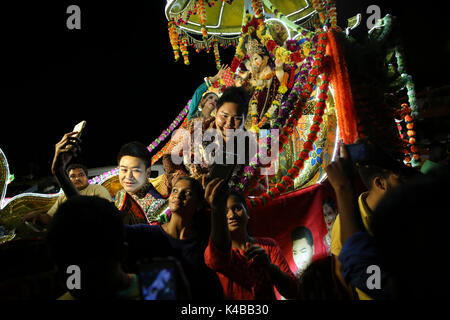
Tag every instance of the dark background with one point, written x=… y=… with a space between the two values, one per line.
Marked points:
x=119 y=74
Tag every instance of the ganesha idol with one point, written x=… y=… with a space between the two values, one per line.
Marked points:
x=270 y=81
x=263 y=76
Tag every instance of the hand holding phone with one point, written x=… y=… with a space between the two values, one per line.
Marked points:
x=162 y=279
x=358 y=152
x=79 y=128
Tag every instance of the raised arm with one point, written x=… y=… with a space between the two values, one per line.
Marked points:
x=202 y=88
x=65 y=150
x=216 y=197
x=340 y=177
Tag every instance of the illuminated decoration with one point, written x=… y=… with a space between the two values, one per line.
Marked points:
x=4 y=176
x=221 y=21
x=412 y=156
x=12 y=210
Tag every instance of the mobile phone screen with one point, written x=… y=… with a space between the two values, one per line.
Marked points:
x=158 y=283
x=79 y=128
x=357 y=152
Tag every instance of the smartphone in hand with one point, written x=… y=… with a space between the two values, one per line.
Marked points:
x=79 y=128
x=162 y=279
x=358 y=152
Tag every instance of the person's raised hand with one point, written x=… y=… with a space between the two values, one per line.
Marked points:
x=340 y=171
x=220 y=73
x=65 y=150
x=257 y=254
x=216 y=193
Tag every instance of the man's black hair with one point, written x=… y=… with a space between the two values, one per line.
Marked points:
x=136 y=149
x=239 y=196
x=77 y=166
x=302 y=232
x=382 y=162
x=237 y=95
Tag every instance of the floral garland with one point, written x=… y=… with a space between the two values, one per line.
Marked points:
x=288 y=180
x=173 y=36
x=317 y=4
x=411 y=140
x=184 y=51
x=283 y=55
x=295 y=93
x=257 y=8
x=301 y=92
x=332 y=12
x=201 y=10
x=166 y=133
x=215 y=44
x=327 y=12
x=254 y=107
x=409 y=83
x=282 y=89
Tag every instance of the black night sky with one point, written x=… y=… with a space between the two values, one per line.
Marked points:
x=119 y=74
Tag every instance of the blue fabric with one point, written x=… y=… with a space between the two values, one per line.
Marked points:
x=196 y=99
x=357 y=254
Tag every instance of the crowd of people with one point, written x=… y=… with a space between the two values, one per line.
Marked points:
x=200 y=225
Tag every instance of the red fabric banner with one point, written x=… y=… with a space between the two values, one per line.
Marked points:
x=282 y=218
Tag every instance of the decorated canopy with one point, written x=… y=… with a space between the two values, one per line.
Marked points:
x=309 y=90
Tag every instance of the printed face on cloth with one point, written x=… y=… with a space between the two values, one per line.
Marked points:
x=78 y=178
x=329 y=214
x=133 y=174
x=302 y=253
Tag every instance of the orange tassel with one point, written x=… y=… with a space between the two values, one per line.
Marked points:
x=340 y=81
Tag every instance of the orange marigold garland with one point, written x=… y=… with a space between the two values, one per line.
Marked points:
x=215 y=44
x=173 y=36
x=412 y=153
x=317 y=4
x=184 y=51
x=201 y=11
x=257 y=8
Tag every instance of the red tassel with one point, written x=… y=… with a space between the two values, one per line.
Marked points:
x=291 y=78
